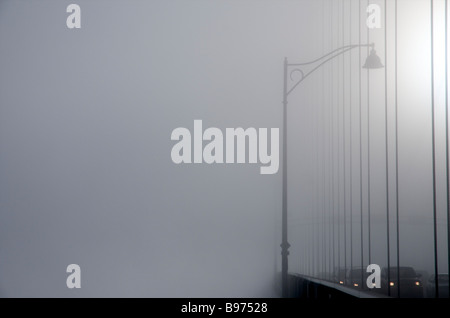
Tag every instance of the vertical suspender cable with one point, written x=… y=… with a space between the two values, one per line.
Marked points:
x=343 y=138
x=332 y=134
x=323 y=154
x=368 y=148
x=446 y=140
x=387 y=151
x=350 y=150
x=338 y=163
x=396 y=159
x=436 y=280
x=330 y=119
x=360 y=146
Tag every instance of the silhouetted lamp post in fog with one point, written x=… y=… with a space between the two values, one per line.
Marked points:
x=372 y=62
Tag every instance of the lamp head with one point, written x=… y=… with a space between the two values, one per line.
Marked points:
x=373 y=61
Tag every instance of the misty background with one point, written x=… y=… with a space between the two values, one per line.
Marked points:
x=85 y=122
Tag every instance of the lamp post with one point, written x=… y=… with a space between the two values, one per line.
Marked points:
x=372 y=62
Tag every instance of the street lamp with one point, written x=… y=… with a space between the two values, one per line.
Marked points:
x=372 y=62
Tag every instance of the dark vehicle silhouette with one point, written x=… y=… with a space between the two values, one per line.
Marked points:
x=443 y=286
x=339 y=276
x=357 y=278
x=410 y=282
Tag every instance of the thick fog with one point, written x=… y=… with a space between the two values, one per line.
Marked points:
x=86 y=117
x=85 y=123
x=369 y=140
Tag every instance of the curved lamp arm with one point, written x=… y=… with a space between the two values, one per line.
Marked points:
x=327 y=57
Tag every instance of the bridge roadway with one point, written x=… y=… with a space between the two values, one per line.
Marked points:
x=301 y=286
